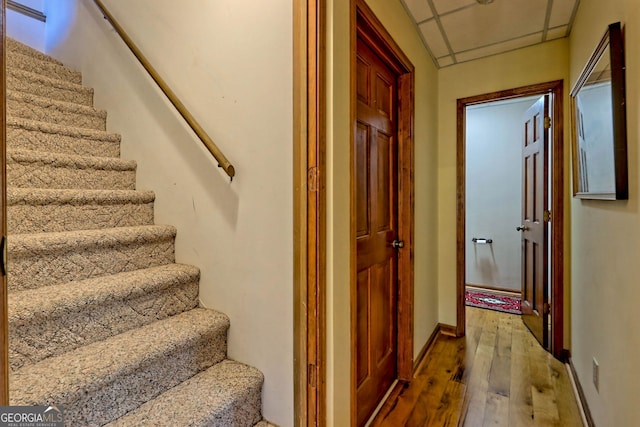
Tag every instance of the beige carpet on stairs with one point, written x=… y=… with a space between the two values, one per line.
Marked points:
x=102 y=320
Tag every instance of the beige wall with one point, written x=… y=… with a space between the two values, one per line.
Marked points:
x=537 y=64
x=396 y=21
x=231 y=63
x=606 y=243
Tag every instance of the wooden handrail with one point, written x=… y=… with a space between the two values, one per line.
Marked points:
x=223 y=162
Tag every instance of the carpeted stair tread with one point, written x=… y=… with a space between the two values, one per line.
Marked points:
x=50 y=137
x=14 y=46
x=55 y=319
x=51 y=69
x=228 y=395
x=264 y=423
x=44 y=259
x=33 y=169
x=29 y=106
x=33 y=210
x=71 y=160
x=102 y=381
x=39 y=85
x=42 y=243
x=40 y=196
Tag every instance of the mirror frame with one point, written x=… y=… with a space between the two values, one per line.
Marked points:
x=614 y=41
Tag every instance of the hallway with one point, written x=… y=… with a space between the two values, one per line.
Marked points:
x=497 y=375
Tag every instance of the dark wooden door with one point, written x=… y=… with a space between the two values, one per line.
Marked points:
x=375 y=166
x=536 y=124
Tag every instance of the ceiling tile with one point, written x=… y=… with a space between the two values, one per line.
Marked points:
x=561 y=12
x=500 y=21
x=419 y=9
x=433 y=38
x=499 y=48
x=444 y=6
x=557 y=33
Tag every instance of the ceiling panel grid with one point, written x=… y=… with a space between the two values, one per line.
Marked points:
x=456 y=31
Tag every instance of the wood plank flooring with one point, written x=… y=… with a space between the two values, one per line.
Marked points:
x=498 y=375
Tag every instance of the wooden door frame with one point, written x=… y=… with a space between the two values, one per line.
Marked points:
x=4 y=316
x=557 y=204
x=365 y=23
x=309 y=229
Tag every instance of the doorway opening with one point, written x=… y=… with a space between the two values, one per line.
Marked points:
x=536 y=237
x=493 y=208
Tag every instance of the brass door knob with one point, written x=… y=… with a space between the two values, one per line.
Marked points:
x=397 y=244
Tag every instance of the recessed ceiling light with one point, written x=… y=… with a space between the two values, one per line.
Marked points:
x=484 y=1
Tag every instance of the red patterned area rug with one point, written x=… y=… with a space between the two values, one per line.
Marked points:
x=493 y=301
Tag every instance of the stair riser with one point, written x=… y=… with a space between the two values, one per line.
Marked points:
x=37 y=175
x=82 y=97
x=242 y=412
x=34 y=270
x=25 y=218
x=127 y=391
x=45 y=68
x=35 y=340
x=54 y=113
x=27 y=139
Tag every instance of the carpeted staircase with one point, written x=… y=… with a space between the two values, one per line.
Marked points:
x=102 y=320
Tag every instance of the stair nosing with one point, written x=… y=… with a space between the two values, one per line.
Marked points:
x=56 y=300
x=128 y=351
x=57 y=129
x=75 y=76
x=41 y=78
x=70 y=160
x=213 y=380
x=36 y=244
x=17 y=196
x=12 y=44
x=44 y=102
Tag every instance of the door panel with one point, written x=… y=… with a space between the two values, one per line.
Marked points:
x=534 y=235
x=362 y=180
x=375 y=160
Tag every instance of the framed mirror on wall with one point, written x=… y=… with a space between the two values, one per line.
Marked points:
x=599 y=124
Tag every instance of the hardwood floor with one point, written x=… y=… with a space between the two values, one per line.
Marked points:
x=498 y=375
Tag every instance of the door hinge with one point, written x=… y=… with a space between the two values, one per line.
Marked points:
x=546 y=308
x=546 y=216
x=312 y=181
x=547 y=122
x=311 y=375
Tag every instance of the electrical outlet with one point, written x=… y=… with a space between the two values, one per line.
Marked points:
x=596 y=374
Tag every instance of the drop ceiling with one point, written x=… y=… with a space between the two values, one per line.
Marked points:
x=457 y=31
